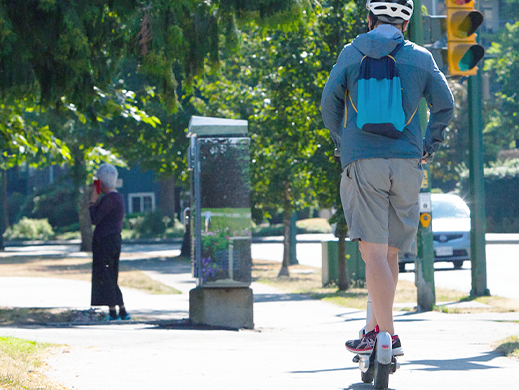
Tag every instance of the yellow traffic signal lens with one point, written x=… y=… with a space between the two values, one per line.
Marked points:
x=462 y=24
x=470 y=24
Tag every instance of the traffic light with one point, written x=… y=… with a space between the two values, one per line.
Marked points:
x=463 y=51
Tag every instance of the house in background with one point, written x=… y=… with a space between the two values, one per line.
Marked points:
x=141 y=191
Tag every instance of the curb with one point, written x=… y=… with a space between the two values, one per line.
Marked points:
x=491 y=238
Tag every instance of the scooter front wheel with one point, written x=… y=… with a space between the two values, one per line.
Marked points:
x=381 y=375
x=382 y=361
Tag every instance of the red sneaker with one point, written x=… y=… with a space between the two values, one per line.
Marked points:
x=364 y=345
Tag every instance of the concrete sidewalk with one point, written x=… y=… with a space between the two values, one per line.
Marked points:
x=297 y=343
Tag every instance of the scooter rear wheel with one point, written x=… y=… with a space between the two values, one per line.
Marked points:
x=367 y=377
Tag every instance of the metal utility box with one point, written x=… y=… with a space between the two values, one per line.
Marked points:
x=219 y=164
x=330 y=264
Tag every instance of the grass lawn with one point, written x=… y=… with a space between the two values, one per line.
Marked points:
x=307 y=280
x=79 y=269
x=71 y=268
x=22 y=365
x=508 y=347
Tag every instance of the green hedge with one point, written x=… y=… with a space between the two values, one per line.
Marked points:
x=29 y=229
x=54 y=203
x=152 y=225
x=501 y=195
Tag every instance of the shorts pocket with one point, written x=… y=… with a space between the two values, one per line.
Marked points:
x=347 y=171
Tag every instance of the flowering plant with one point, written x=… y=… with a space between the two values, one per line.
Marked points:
x=209 y=269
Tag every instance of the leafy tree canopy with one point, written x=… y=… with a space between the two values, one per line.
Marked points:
x=502 y=129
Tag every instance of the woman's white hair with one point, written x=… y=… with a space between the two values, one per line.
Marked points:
x=108 y=175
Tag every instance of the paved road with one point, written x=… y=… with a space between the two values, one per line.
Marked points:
x=502 y=260
x=502 y=267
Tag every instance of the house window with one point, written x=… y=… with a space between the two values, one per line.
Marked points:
x=141 y=202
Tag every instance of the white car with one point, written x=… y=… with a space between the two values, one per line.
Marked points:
x=451 y=231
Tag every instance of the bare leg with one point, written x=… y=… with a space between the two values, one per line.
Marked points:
x=380 y=278
x=392 y=259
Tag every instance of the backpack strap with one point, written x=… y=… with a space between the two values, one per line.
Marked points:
x=347 y=97
x=396 y=49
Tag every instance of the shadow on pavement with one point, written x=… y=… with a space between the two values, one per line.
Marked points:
x=263 y=298
x=360 y=386
x=360 y=315
x=462 y=364
x=168 y=266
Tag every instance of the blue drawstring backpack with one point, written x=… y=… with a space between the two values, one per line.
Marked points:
x=379 y=102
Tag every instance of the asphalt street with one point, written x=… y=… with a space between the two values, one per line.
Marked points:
x=502 y=257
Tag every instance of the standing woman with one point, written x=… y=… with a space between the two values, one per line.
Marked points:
x=107 y=214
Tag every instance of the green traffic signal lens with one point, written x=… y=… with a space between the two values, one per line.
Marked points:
x=471 y=58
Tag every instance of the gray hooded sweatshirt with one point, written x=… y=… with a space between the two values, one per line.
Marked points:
x=420 y=77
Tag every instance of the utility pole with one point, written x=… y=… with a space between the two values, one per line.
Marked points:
x=3 y=179
x=477 y=190
x=462 y=55
x=424 y=262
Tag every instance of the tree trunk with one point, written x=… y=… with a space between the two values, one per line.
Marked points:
x=79 y=175
x=343 y=283
x=185 y=251
x=4 y=205
x=85 y=224
x=287 y=216
x=167 y=197
x=3 y=196
x=293 y=239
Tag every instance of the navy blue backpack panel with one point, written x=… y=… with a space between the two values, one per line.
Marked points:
x=379 y=102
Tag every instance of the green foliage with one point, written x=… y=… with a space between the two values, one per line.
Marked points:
x=213 y=242
x=454 y=150
x=502 y=128
x=495 y=170
x=501 y=202
x=266 y=230
x=307 y=226
x=152 y=225
x=54 y=203
x=14 y=204
x=174 y=228
x=24 y=138
x=29 y=229
x=275 y=82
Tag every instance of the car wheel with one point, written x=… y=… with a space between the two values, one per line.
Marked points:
x=458 y=264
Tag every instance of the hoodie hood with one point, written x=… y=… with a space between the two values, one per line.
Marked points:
x=379 y=42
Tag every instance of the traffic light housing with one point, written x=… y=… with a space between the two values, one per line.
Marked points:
x=463 y=51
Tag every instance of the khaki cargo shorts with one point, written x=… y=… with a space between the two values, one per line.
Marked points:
x=380 y=200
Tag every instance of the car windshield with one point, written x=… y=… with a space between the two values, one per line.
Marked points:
x=449 y=208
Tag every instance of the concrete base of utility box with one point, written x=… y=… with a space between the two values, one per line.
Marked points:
x=226 y=307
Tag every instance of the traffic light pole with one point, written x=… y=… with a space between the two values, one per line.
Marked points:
x=424 y=262
x=477 y=189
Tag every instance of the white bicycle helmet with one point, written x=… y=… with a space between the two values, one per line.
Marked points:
x=391 y=11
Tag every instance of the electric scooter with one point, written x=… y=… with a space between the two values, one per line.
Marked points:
x=377 y=366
